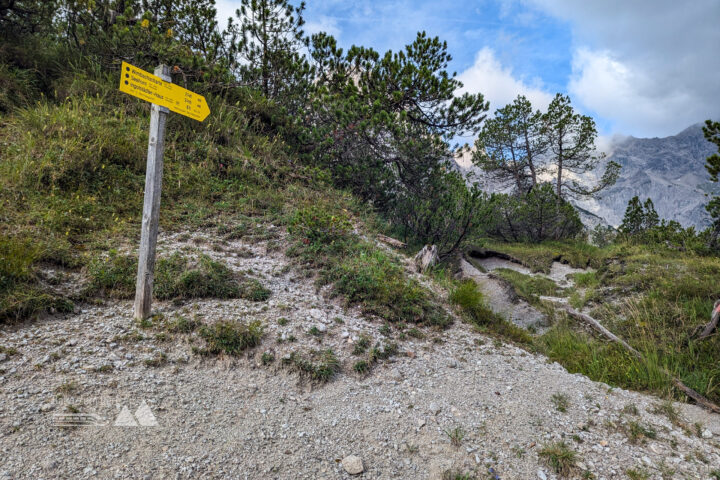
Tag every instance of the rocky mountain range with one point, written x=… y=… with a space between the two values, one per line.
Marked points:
x=670 y=171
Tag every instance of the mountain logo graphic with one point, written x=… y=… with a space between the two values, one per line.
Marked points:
x=143 y=417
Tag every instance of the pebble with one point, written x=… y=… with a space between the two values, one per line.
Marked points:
x=541 y=475
x=353 y=464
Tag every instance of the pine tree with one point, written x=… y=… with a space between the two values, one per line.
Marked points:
x=651 y=219
x=269 y=42
x=634 y=218
x=510 y=143
x=711 y=130
x=571 y=142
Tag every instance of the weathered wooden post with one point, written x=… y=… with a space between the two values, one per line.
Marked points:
x=164 y=97
x=151 y=204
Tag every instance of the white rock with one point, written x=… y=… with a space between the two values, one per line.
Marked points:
x=541 y=475
x=426 y=258
x=353 y=464
x=707 y=433
x=321 y=328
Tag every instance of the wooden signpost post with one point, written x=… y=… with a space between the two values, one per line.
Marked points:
x=164 y=96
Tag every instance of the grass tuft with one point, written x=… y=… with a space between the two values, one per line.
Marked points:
x=320 y=366
x=231 y=338
x=561 y=458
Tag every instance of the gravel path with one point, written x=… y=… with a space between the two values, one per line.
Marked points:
x=223 y=417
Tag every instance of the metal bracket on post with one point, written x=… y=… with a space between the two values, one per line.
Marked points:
x=151 y=204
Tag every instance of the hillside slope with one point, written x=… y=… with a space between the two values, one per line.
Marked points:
x=447 y=403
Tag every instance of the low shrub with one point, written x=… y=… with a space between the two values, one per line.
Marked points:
x=231 y=337
x=319 y=366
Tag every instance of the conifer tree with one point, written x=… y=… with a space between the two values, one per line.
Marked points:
x=270 y=44
x=634 y=218
x=571 y=142
x=510 y=144
x=651 y=219
x=711 y=130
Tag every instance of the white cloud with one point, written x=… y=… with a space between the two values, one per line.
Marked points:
x=497 y=83
x=650 y=67
x=623 y=92
x=226 y=9
x=322 y=23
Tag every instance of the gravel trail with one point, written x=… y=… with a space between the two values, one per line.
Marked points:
x=233 y=417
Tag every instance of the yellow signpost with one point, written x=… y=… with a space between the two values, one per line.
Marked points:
x=151 y=88
x=164 y=96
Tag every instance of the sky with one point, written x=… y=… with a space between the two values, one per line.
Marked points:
x=647 y=68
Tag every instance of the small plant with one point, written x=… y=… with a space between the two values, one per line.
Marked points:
x=637 y=432
x=415 y=333
x=67 y=388
x=158 y=360
x=637 y=474
x=456 y=436
x=385 y=329
x=455 y=475
x=561 y=402
x=379 y=352
x=9 y=351
x=715 y=474
x=282 y=321
x=315 y=332
x=361 y=367
x=253 y=290
x=412 y=448
x=267 y=358
x=561 y=458
x=630 y=409
x=231 y=337
x=361 y=345
x=183 y=325
x=107 y=368
x=667 y=409
x=145 y=323
x=319 y=366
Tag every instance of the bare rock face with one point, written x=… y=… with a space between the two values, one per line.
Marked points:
x=426 y=258
x=353 y=464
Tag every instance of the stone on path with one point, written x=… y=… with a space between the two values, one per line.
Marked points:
x=353 y=464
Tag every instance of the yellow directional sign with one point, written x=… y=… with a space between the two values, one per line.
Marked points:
x=154 y=89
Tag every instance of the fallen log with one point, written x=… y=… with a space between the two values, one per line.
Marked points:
x=711 y=326
x=391 y=241
x=611 y=336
